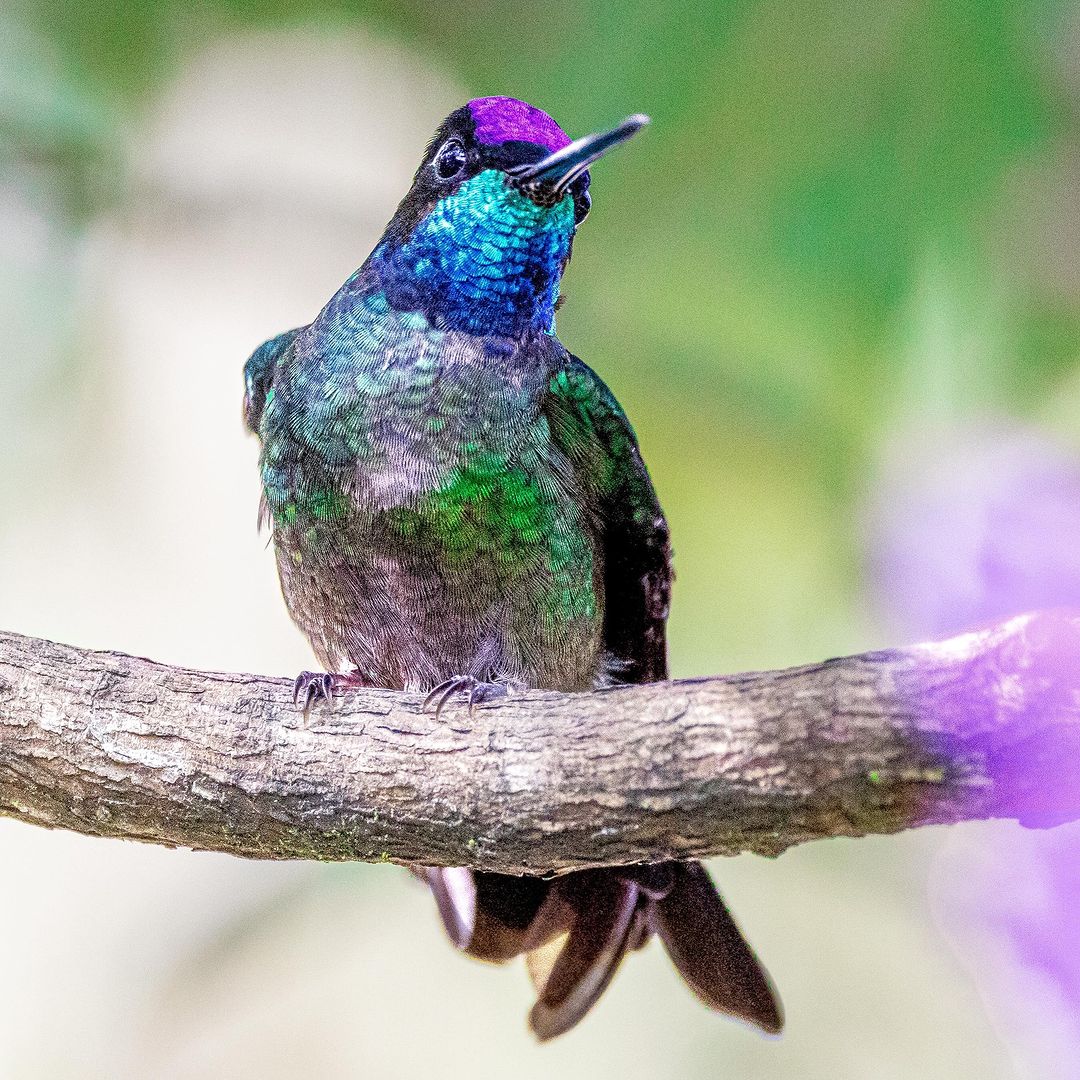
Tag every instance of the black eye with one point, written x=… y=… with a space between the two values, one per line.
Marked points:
x=582 y=199
x=450 y=159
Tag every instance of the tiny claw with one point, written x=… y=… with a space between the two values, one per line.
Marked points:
x=327 y=686
x=313 y=686
x=444 y=691
x=479 y=692
x=434 y=693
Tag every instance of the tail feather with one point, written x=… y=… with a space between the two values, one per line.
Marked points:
x=540 y=961
x=708 y=949
x=488 y=916
x=455 y=896
x=555 y=917
x=597 y=942
x=575 y=930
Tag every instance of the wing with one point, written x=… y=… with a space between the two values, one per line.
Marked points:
x=259 y=376
x=589 y=426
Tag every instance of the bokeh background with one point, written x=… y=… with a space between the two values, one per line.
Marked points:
x=836 y=286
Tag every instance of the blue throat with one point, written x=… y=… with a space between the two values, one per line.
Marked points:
x=485 y=260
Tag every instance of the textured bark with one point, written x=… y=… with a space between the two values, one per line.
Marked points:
x=984 y=725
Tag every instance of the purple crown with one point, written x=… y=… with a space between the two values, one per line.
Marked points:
x=502 y=119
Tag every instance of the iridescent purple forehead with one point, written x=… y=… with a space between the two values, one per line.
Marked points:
x=503 y=119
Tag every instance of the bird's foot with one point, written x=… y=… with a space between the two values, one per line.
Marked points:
x=310 y=687
x=477 y=690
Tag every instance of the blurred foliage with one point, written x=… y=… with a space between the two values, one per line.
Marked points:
x=757 y=266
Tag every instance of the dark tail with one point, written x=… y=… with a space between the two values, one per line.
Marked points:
x=600 y=915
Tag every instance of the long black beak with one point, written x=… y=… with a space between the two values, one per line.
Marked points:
x=545 y=181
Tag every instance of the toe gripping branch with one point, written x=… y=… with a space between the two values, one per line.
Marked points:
x=477 y=691
x=311 y=687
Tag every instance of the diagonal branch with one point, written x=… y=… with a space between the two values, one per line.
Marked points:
x=983 y=725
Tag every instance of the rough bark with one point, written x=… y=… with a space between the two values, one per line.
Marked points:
x=981 y=726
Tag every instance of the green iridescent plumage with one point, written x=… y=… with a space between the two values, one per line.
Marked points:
x=501 y=501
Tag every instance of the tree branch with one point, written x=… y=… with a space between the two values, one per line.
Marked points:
x=984 y=725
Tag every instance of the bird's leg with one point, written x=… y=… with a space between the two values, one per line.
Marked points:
x=478 y=691
x=312 y=686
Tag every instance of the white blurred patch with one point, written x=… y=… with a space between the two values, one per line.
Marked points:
x=258 y=181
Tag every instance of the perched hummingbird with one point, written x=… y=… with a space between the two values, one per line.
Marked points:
x=459 y=507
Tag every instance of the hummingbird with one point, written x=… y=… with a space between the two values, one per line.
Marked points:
x=459 y=508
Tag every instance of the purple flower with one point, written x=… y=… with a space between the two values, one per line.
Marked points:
x=969 y=528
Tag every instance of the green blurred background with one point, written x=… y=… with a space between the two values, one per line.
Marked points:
x=851 y=233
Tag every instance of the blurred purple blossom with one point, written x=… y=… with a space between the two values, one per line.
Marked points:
x=974 y=526
x=968 y=527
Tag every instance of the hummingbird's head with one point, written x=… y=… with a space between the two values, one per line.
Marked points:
x=481 y=240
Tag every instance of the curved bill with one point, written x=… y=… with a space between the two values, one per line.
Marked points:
x=552 y=175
